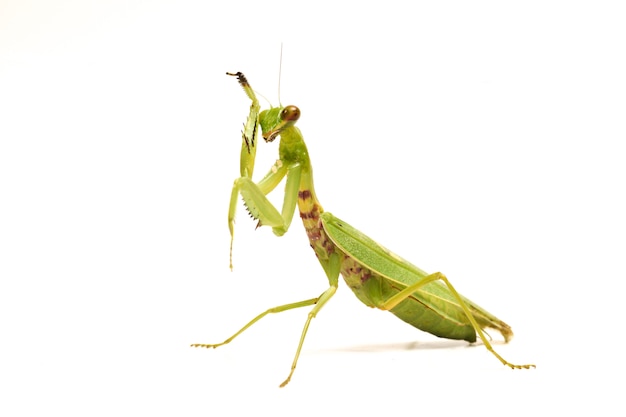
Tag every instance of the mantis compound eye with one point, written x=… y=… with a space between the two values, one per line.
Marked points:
x=290 y=114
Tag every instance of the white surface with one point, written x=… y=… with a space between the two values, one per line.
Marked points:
x=482 y=140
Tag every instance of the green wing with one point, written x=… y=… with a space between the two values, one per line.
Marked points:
x=434 y=297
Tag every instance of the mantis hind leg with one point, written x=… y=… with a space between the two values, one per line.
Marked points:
x=438 y=276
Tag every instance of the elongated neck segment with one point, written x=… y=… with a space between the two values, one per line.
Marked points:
x=280 y=121
x=293 y=150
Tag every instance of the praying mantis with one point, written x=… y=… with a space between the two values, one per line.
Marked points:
x=378 y=277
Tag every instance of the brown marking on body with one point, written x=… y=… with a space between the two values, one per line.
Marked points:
x=328 y=245
x=354 y=273
x=304 y=194
x=309 y=215
x=313 y=235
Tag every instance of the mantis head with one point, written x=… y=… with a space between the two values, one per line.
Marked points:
x=277 y=119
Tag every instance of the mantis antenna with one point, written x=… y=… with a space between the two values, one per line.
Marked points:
x=280 y=69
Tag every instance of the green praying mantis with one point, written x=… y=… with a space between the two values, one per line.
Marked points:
x=378 y=277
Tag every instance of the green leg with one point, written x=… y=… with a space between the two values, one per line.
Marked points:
x=332 y=272
x=259 y=207
x=250 y=129
x=321 y=301
x=278 y=309
x=402 y=295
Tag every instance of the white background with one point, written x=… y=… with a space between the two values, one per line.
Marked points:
x=474 y=138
